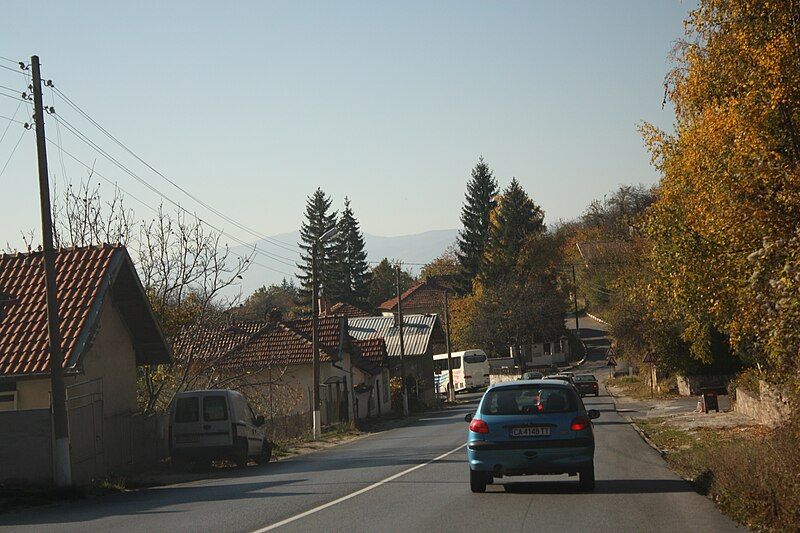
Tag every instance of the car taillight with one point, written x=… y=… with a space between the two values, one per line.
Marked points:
x=580 y=423
x=478 y=426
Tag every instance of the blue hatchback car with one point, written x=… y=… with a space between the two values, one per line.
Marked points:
x=530 y=427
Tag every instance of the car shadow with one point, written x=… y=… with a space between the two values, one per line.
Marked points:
x=602 y=486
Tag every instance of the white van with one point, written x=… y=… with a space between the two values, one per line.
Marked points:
x=216 y=424
x=470 y=370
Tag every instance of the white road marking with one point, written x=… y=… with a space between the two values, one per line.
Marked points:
x=356 y=493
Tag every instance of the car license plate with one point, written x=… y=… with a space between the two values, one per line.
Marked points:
x=530 y=431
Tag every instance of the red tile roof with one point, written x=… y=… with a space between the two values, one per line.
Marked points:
x=422 y=297
x=82 y=277
x=373 y=349
x=345 y=309
x=260 y=344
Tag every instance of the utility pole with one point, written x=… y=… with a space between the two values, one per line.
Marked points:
x=451 y=391
x=315 y=340
x=62 y=467
x=575 y=297
x=402 y=344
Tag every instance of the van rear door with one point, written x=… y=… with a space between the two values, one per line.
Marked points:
x=216 y=420
x=186 y=425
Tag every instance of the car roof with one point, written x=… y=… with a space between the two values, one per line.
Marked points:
x=517 y=383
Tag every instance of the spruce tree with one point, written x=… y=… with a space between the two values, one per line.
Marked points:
x=515 y=219
x=479 y=202
x=352 y=271
x=318 y=221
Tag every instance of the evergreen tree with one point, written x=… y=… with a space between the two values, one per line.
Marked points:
x=384 y=282
x=318 y=221
x=352 y=271
x=513 y=221
x=481 y=190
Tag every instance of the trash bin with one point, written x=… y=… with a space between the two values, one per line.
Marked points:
x=710 y=400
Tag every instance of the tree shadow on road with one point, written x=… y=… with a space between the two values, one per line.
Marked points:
x=149 y=501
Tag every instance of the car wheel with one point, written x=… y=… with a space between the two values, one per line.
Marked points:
x=587 y=478
x=477 y=480
x=266 y=453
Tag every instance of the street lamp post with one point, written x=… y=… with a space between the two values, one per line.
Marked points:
x=315 y=326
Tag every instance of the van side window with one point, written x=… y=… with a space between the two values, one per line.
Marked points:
x=187 y=410
x=215 y=408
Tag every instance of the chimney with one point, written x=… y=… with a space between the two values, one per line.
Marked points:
x=323 y=307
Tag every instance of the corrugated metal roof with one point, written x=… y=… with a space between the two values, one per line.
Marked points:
x=417 y=331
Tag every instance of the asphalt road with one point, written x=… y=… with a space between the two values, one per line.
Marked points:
x=408 y=479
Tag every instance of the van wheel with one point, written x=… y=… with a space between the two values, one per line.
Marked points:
x=266 y=453
x=477 y=480
x=586 y=477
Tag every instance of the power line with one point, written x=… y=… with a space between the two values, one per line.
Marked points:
x=10 y=120
x=135 y=176
x=2 y=171
x=10 y=60
x=153 y=209
x=16 y=70
x=119 y=143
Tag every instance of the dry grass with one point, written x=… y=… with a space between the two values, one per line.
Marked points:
x=638 y=387
x=753 y=474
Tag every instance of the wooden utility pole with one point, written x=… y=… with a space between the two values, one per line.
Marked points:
x=451 y=391
x=402 y=344
x=62 y=468
x=317 y=421
x=575 y=298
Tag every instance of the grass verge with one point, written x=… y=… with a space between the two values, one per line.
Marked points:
x=752 y=473
x=638 y=387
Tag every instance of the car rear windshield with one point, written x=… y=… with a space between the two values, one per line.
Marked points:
x=475 y=358
x=215 y=408
x=187 y=410
x=530 y=399
x=585 y=377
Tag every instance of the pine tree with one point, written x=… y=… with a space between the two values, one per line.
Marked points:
x=481 y=190
x=514 y=220
x=318 y=221
x=352 y=271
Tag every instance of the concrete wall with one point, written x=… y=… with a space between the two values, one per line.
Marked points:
x=692 y=385
x=769 y=406
x=25 y=446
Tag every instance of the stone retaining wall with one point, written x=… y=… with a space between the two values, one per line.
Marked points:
x=769 y=406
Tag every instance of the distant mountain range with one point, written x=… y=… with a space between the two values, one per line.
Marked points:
x=417 y=248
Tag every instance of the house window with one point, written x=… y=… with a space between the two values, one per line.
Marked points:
x=8 y=401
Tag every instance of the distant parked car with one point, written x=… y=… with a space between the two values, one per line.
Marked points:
x=532 y=375
x=539 y=427
x=216 y=424
x=587 y=384
x=561 y=377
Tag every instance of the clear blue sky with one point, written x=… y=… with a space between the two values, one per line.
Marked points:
x=252 y=105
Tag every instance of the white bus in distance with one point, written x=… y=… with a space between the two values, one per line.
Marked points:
x=470 y=370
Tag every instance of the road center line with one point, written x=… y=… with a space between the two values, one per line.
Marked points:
x=356 y=493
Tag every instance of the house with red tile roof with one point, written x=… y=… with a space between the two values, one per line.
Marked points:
x=108 y=330
x=107 y=327
x=348 y=310
x=424 y=297
x=273 y=359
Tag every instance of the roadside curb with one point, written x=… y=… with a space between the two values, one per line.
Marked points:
x=633 y=424
x=644 y=437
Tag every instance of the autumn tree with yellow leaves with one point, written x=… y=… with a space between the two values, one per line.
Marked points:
x=726 y=225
